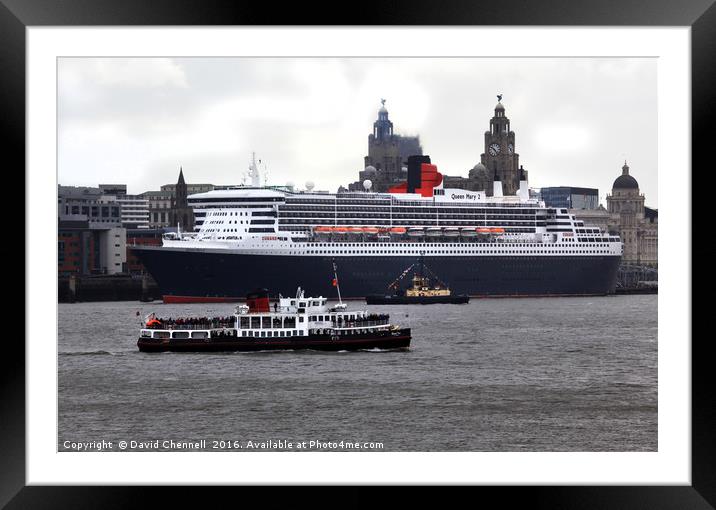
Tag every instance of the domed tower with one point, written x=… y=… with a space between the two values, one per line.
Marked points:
x=500 y=155
x=626 y=209
x=383 y=127
x=387 y=153
x=625 y=195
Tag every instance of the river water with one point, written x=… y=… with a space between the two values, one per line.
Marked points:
x=529 y=374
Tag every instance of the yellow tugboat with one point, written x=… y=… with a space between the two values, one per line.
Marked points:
x=423 y=291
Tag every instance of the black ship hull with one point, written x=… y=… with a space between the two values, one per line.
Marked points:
x=416 y=300
x=398 y=339
x=213 y=276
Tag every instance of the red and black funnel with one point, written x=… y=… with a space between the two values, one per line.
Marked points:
x=258 y=301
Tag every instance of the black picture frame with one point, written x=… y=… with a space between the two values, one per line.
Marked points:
x=700 y=15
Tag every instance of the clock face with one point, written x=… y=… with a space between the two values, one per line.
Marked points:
x=494 y=149
x=510 y=149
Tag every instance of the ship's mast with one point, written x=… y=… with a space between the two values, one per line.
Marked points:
x=335 y=279
x=254 y=172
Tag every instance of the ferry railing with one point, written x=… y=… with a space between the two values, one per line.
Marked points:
x=361 y=324
x=190 y=327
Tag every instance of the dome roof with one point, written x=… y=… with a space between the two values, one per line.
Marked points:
x=477 y=169
x=499 y=107
x=625 y=181
x=370 y=169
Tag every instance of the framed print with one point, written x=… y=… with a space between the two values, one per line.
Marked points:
x=520 y=161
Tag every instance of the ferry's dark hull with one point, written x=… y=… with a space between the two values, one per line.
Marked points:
x=416 y=300
x=384 y=340
x=191 y=275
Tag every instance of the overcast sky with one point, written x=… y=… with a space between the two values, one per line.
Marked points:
x=136 y=121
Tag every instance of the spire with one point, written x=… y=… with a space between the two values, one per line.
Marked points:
x=181 y=176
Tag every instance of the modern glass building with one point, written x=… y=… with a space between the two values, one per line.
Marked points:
x=570 y=197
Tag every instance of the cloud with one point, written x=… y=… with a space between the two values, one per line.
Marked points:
x=563 y=138
x=575 y=120
x=139 y=73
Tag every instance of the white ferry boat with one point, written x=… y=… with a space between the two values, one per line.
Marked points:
x=298 y=322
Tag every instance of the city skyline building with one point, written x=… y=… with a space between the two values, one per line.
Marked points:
x=636 y=224
x=570 y=197
x=385 y=164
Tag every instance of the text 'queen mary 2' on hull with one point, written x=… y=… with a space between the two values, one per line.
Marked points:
x=252 y=236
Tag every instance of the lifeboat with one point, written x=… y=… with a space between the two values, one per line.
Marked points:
x=355 y=230
x=497 y=230
x=322 y=230
x=416 y=232
x=482 y=230
x=340 y=230
x=434 y=232
x=398 y=230
x=451 y=232
x=370 y=230
x=468 y=232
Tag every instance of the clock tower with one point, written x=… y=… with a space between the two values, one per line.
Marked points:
x=500 y=157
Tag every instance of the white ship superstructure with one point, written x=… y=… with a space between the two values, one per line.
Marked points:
x=454 y=221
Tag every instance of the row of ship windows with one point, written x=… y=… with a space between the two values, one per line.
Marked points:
x=400 y=221
x=398 y=209
x=510 y=229
x=462 y=220
x=228 y=213
x=400 y=203
x=411 y=214
x=446 y=245
x=273 y=333
x=499 y=250
x=446 y=252
x=421 y=222
x=268 y=322
x=208 y=207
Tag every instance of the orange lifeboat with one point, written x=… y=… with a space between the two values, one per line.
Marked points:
x=340 y=230
x=497 y=230
x=483 y=230
x=355 y=230
x=322 y=229
x=398 y=230
x=370 y=230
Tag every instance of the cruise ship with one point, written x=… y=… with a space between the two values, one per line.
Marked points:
x=269 y=236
